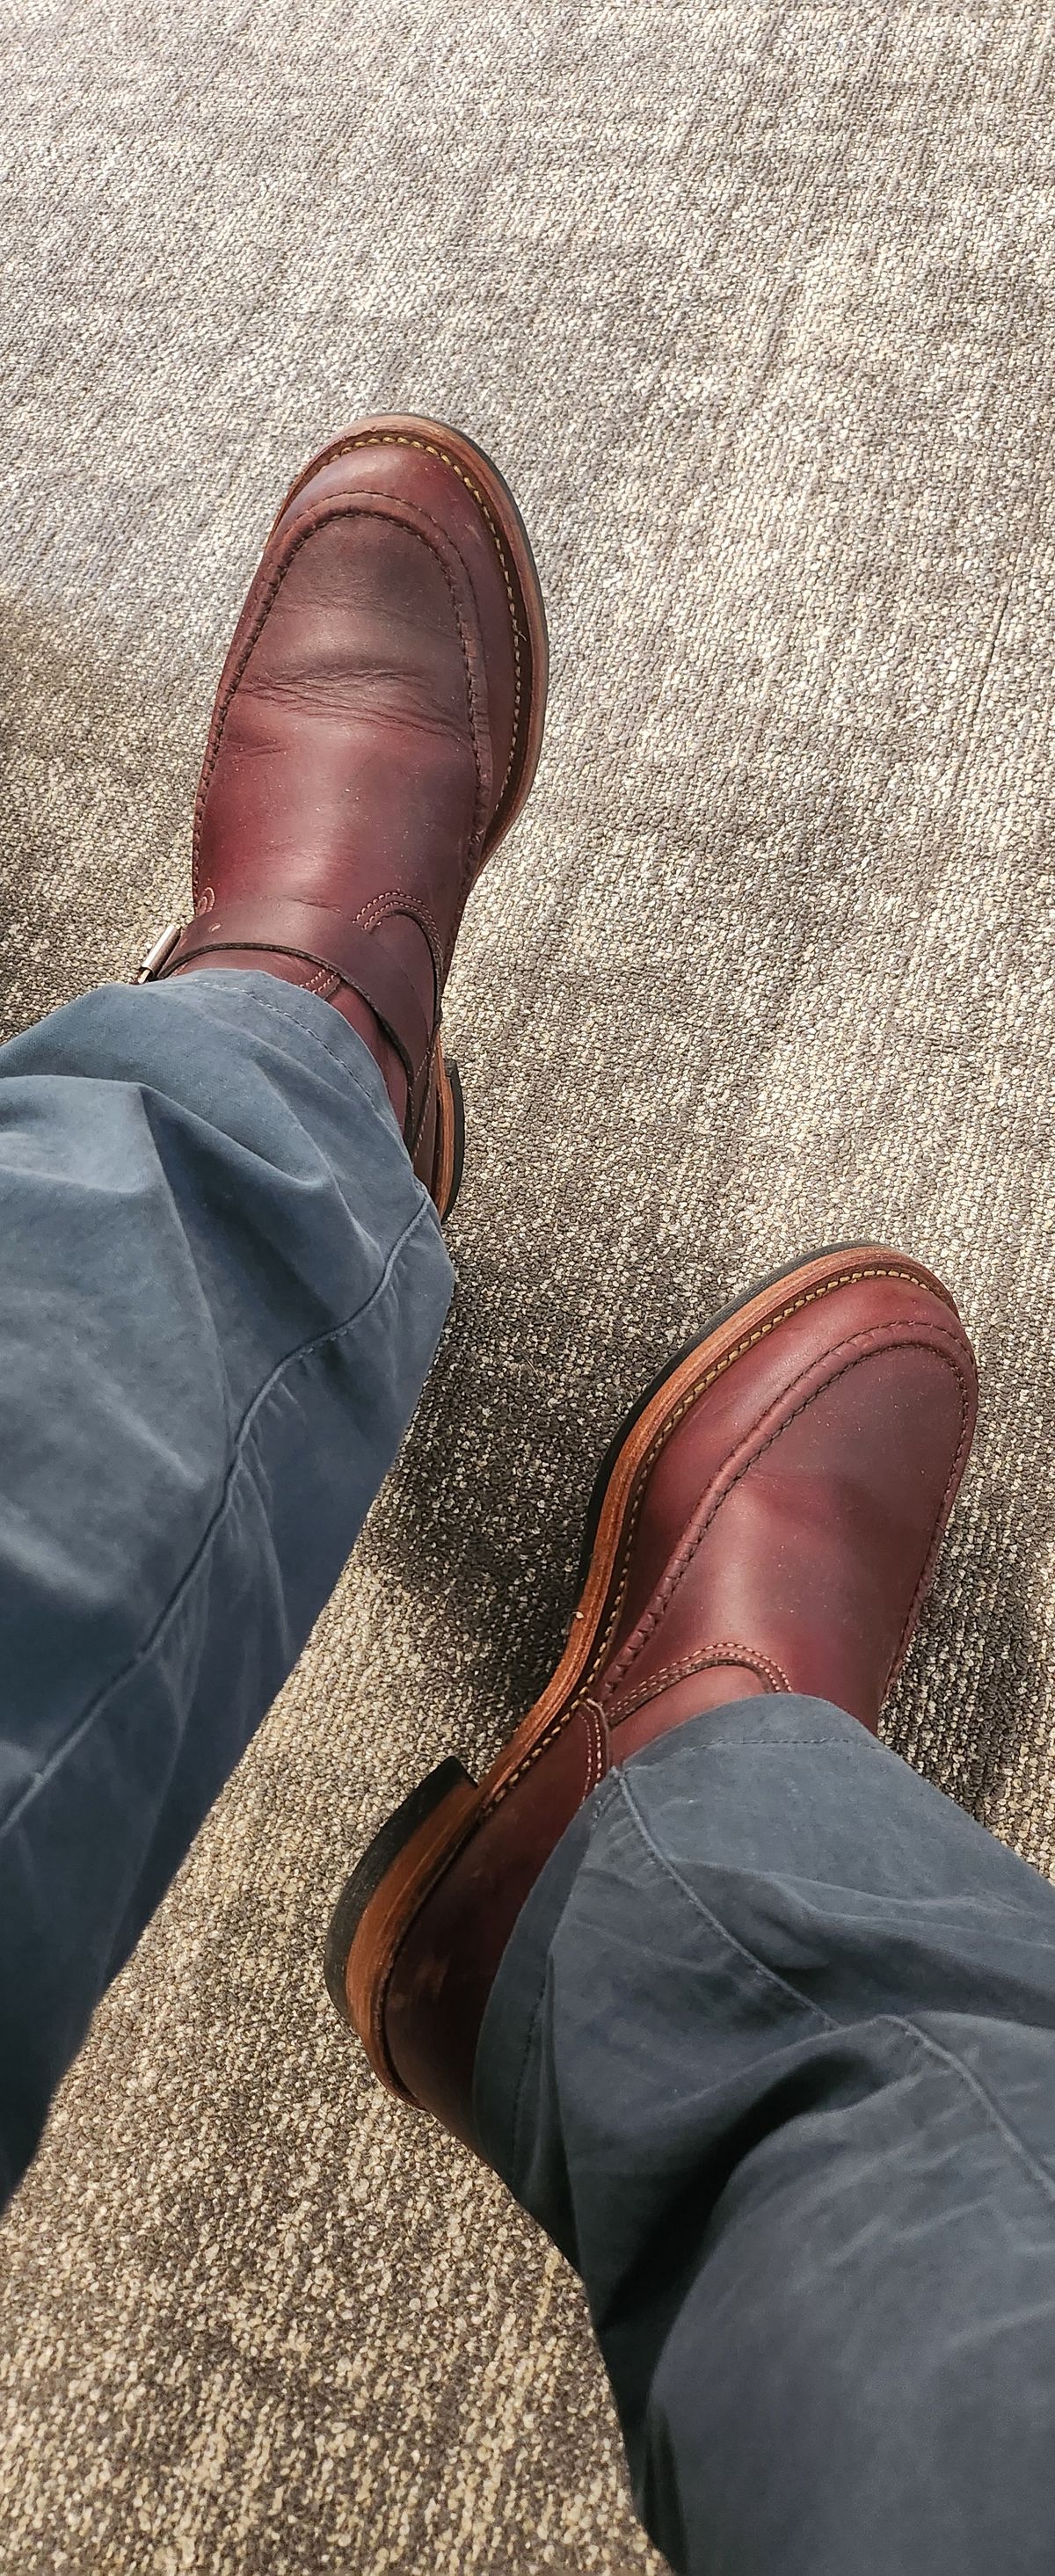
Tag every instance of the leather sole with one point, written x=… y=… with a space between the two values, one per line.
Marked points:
x=420 y=1839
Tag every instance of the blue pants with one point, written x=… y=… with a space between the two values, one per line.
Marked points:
x=771 y=2053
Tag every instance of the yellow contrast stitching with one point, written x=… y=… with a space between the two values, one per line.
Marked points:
x=729 y=1654
x=809 y=1297
x=428 y=447
x=264 y=607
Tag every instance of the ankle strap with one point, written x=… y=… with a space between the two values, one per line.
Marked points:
x=323 y=938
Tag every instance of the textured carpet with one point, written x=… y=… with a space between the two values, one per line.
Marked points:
x=753 y=306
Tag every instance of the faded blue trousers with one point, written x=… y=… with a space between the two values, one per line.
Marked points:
x=771 y=2053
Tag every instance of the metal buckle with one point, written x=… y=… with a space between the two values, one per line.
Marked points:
x=158 y=956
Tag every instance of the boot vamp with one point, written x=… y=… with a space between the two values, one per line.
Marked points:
x=418 y=474
x=343 y=765
x=813 y=1528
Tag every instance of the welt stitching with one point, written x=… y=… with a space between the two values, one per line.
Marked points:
x=428 y=447
x=809 y=1297
x=653 y=1617
x=305 y=1351
x=317 y=521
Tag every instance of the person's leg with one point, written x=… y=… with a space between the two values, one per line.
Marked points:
x=220 y=1281
x=771 y=2055
x=759 y=2026
x=220 y=1291
x=767 y=1519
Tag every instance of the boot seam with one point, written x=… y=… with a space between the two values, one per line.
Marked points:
x=709 y=1659
x=428 y=447
x=671 y=1583
x=813 y=1296
x=317 y=521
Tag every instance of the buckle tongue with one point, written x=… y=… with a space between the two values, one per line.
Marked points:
x=158 y=956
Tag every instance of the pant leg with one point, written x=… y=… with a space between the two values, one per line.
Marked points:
x=771 y=2055
x=221 y=1288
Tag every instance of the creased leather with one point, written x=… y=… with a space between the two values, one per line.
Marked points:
x=783 y=1538
x=363 y=730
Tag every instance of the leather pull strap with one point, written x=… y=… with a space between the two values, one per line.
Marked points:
x=323 y=938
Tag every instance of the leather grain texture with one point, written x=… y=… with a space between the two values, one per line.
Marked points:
x=790 y=1485
x=755 y=319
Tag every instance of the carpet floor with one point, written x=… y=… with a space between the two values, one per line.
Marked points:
x=752 y=304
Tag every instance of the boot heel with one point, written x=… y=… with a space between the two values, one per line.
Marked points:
x=458 y=1118
x=448 y=1159
x=448 y=1782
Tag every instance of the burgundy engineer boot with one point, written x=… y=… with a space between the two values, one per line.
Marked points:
x=767 y=1519
x=376 y=730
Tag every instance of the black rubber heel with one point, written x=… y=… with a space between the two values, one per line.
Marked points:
x=377 y=1860
x=458 y=1100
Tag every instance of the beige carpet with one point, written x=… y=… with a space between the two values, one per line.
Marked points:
x=754 y=306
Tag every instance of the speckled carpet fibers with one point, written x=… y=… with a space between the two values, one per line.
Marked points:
x=753 y=306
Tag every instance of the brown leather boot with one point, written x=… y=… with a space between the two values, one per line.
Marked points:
x=376 y=730
x=767 y=1519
